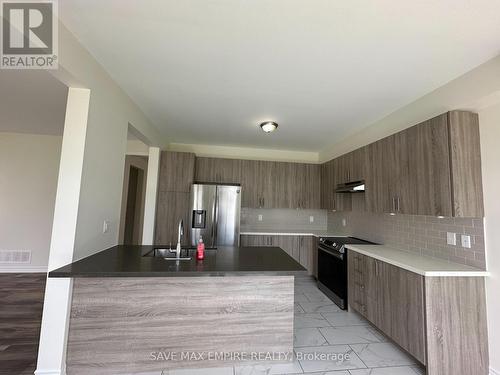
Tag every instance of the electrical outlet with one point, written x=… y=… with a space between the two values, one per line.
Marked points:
x=259 y=217
x=311 y=219
x=105 y=226
x=451 y=238
x=466 y=241
x=344 y=222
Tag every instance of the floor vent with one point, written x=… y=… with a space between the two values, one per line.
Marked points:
x=15 y=256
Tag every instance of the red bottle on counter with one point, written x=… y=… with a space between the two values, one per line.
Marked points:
x=200 y=250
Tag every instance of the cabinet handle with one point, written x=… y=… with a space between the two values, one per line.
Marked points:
x=399 y=204
x=393 y=204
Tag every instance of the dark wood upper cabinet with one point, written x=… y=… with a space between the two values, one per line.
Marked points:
x=433 y=168
x=332 y=174
x=465 y=159
x=217 y=170
x=430 y=177
x=172 y=206
x=176 y=171
x=249 y=173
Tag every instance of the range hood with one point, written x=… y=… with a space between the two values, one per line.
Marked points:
x=351 y=187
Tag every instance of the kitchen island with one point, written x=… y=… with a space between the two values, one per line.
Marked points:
x=136 y=313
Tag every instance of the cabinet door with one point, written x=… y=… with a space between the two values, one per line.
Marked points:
x=205 y=170
x=396 y=185
x=374 y=182
x=311 y=197
x=249 y=186
x=358 y=164
x=405 y=302
x=328 y=186
x=228 y=171
x=176 y=171
x=342 y=168
x=285 y=190
x=171 y=208
x=306 y=253
x=300 y=185
x=430 y=178
x=465 y=149
x=343 y=201
x=266 y=183
x=218 y=170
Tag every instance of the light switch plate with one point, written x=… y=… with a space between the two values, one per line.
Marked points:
x=105 y=226
x=311 y=219
x=466 y=241
x=451 y=238
x=259 y=217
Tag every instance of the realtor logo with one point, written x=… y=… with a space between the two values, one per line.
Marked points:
x=29 y=35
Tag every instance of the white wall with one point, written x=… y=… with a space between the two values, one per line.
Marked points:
x=29 y=167
x=110 y=113
x=489 y=120
x=466 y=92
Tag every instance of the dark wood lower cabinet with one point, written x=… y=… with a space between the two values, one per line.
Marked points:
x=441 y=321
x=300 y=248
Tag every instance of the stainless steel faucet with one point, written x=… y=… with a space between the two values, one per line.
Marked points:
x=180 y=234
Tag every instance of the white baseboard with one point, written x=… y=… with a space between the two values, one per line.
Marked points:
x=23 y=269
x=50 y=372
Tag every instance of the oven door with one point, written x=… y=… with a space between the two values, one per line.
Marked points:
x=332 y=275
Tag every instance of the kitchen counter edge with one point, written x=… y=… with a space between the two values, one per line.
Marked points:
x=420 y=264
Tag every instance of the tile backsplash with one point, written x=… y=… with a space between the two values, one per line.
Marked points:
x=290 y=219
x=425 y=235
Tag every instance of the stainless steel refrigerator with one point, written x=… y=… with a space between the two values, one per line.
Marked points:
x=215 y=214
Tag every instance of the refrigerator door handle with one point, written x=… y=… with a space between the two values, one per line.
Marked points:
x=212 y=245
x=216 y=218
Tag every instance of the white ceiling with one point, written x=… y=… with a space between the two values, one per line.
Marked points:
x=31 y=101
x=208 y=71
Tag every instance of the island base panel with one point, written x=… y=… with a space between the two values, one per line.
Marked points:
x=142 y=324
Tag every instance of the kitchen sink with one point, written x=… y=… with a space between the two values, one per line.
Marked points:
x=168 y=255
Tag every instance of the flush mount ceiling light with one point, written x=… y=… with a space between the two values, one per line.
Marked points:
x=268 y=126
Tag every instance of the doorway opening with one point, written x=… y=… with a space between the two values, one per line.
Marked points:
x=134 y=192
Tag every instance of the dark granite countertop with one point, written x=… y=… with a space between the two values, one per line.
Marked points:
x=129 y=261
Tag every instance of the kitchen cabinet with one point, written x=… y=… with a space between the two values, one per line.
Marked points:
x=330 y=200
x=435 y=319
x=249 y=175
x=300 y=248
x=391 y=298
x=351 y=166
x=327 y=186
x=445 y=165
x=465 y=158
x=430 y=177
x=267 y=184
x=172 y=207
x=305 y=180
x=388 y=176
x=217 y=170
x=176 y=171
x=433 y=168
